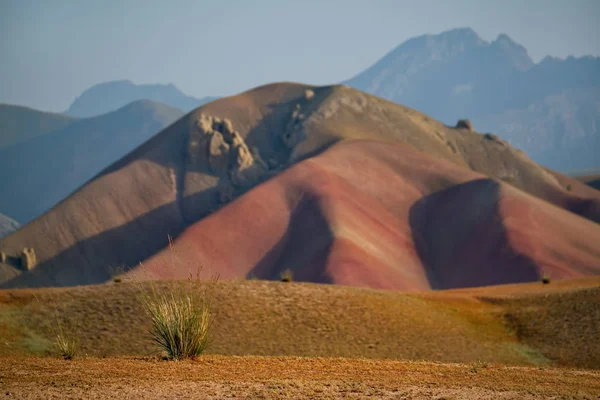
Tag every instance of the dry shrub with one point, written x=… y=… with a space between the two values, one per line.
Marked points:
x=286 y=275
x=181 y=319
x=181 y=316
x=65 y=340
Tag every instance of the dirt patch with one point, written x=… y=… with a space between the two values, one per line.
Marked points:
x=286 y=377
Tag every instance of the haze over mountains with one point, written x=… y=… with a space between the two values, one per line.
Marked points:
x=44 y=157
x=551 y=109
x=19 y=124
x=109 y=96
x=7 y=225
x=335 y=184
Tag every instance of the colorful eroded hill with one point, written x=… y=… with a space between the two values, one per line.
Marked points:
x=334 y=184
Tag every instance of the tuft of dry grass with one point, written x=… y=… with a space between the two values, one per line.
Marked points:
x=546 y=278
x=66 y=344
x=181 y=319
x=65 y=341
x=286 y=275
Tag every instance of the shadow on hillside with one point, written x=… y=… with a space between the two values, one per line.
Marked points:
x=460 y=237
x=304 y=247
x=267 y=134
x=93 y=260
x=96 y=259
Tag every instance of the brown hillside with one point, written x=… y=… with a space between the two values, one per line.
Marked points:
x=526 y=324
x=202 y=162
x=590 y=180
x=384 y=216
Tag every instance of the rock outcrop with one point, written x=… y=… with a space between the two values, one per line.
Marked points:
x=28 y=258
x=293 y=132
x=217 y=148
x=465 y=124
x=227 y=153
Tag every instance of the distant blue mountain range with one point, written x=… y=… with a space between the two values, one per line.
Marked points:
x=551 y=109
x=110 y=96
x=40 y=167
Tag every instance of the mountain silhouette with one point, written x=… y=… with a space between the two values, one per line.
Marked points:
x=549 y=109
x=109 y=96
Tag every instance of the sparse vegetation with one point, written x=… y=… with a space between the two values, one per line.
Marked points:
x=286 y=275
x=117 y=273
x=181 y=319
x=65 y=340
x=509 y=324
x=545 y=279
x=65 y=343
x=477 y=366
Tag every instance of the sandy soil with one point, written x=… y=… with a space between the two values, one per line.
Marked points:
x=286 y=377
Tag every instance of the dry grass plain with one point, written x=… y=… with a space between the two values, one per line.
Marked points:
x=298 y=340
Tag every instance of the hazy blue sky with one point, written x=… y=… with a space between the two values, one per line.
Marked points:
x=52 y=50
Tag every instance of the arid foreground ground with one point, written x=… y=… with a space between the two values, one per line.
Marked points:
x=300 y=340
x=287 y=377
